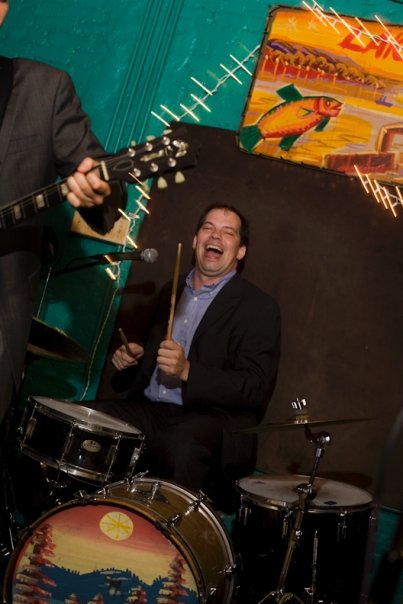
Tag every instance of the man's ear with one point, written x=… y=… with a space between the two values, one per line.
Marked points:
x=241 y=252
x=194 y=243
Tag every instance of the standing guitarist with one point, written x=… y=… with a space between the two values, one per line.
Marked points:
x=44 y=135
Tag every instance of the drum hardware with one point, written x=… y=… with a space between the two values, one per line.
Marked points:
x=193 y=507
x=306 y=493
x=148 y=495
x=319 y=576
x=311 y=591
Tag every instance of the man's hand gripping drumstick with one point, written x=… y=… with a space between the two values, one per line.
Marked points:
x=171 y=357
x=127 y=355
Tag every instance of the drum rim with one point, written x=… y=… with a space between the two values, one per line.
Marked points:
x=130 y=431
x=66 y=467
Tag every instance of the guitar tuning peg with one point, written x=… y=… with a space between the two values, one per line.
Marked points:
x=133 y=143
x=179 y=178
x=151 y=137
x=162 y=183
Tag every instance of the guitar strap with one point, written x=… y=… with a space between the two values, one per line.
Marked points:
x=6 y=81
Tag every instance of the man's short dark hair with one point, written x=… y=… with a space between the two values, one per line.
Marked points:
x=244 y=229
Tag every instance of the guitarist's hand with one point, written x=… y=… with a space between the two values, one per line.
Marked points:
x=87 y=189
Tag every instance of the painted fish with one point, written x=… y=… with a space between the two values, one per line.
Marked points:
x=291 y=119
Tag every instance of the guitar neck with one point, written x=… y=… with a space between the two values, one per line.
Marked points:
x=133 y=165
x=32 y=204
x=40 y=200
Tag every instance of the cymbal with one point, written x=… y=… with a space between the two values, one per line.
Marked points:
x=53 y=343
x=303 y=420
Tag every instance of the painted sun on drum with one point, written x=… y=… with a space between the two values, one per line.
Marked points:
x=116 y=526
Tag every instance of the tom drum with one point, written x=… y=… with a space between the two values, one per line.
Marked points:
x=330 y=552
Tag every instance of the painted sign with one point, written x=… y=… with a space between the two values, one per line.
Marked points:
x=328 y=92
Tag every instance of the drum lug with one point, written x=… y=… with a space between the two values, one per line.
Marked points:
x=210 y=592
x=135 y=457
x=20 y=429
x=342 y=527
x=193 y=507
x=110 y=460
x=200 y=499
x=30 y=429
x=173 y=520
x=83 y=496
x=229 y=569
x=243 y=513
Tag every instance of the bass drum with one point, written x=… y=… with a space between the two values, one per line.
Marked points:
x=330 y=552
x=144 y=540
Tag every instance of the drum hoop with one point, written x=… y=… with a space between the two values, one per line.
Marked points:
x=261 y=502
x=67 y=468
x=87 y=426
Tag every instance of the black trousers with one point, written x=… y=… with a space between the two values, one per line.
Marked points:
x=183 y=445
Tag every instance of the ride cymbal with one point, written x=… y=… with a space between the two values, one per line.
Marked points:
x=303 y=420
x=53 y=343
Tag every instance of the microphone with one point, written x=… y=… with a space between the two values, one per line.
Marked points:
x=148 y=255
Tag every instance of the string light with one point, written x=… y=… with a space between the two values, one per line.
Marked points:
x=200 y=102
x=381 y=193
x=357 y=32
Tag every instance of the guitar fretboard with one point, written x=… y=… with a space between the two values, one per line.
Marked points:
x=32 y=204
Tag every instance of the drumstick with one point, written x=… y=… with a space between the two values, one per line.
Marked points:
x=124 y=341
x=173 y=293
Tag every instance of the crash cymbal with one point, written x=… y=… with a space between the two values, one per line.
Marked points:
x=303 y=420
x=53 y=343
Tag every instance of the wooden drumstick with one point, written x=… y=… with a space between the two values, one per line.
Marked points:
x=173 y=293
x=124 y=341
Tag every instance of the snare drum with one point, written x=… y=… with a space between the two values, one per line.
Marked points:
x=330 y=551
x=142 y=540
x=79 y=441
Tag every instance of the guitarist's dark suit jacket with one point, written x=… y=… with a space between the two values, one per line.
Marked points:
x=233 y=358
x=44 y=134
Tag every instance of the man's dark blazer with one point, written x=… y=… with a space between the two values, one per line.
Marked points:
x=233 y=358
x=44 y=134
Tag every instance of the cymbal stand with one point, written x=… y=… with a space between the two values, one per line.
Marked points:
x=306 y=492
x=311 y=591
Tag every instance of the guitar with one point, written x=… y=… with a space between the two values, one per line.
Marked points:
x=132 y=165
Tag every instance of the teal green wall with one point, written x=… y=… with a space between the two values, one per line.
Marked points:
x=127 y=58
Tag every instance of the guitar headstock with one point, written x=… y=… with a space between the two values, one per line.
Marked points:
x=168 y=153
